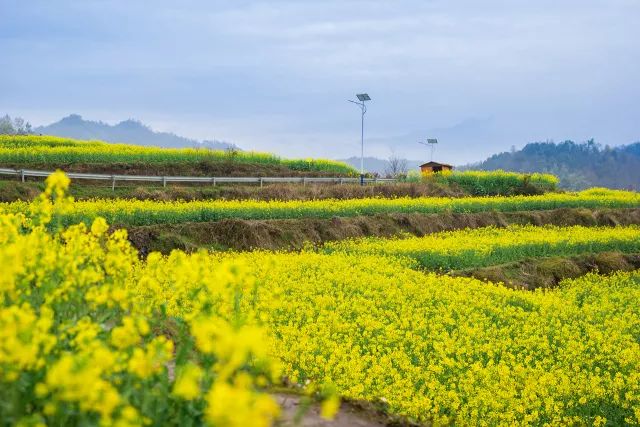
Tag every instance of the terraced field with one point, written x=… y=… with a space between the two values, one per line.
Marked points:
x=146 y=212
x=30 y=151
x=490 y=246
x=92 y=333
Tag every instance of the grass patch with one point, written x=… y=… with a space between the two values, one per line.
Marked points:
x=494 y=183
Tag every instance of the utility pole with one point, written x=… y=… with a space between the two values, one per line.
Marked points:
x=362 y=97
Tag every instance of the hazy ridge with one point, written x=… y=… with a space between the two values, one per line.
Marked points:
x=128 y=131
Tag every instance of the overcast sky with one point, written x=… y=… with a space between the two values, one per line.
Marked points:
x=275 y=75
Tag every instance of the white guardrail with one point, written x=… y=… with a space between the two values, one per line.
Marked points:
x=24 y=173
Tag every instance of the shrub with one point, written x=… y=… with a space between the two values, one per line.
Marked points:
x=483 y=183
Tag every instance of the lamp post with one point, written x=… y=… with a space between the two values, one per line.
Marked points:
x=430 y=143
x=362 y=97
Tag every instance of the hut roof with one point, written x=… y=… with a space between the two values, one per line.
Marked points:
x=435 y=164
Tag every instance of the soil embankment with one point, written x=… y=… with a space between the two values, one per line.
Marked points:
x=294 y=234
x=12 y=190
x=549 y=272
x=177 y=168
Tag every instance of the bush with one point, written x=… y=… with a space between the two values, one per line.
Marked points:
x=493 y=183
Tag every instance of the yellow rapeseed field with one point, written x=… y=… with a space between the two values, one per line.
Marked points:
x=27 y=150
x=435 y=348
x=146 y=212
x=91 y=334
x=489 y=245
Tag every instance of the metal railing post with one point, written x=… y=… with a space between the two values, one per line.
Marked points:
x=164 y=181
x=22 y=175
x=113 y=183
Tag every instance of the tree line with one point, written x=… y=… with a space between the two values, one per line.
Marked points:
x=15 y=126
x=578 y=165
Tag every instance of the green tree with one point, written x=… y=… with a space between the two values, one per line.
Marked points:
x=17 y=126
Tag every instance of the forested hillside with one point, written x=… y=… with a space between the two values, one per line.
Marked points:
x=577 y=165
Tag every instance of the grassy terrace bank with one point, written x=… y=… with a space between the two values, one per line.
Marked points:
x=535 y=273
x=96 y=156
x=138 y=212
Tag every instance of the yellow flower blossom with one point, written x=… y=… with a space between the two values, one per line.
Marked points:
x=152 y=359
x=99 y=226
x=187 y=384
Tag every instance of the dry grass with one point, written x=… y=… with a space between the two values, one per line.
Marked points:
x=200 y=168
x=294 y=234
x=549 y=272
x=12 y=190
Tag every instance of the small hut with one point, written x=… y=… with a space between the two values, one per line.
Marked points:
x=431 y=167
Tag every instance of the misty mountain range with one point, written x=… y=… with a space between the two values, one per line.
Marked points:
x=128 y=131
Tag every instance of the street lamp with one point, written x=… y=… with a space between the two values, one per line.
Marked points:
x=362 y=97
x=430 y=143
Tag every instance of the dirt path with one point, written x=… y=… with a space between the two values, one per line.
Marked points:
x=349 y=415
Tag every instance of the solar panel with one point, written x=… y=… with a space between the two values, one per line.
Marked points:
x=363 y=97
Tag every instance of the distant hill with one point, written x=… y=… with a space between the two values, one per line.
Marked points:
x=578 y=166
x=128 y=131
x=379 y=166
